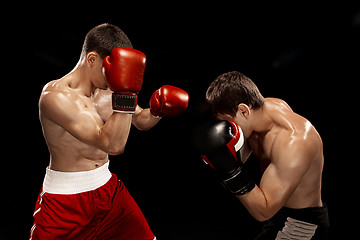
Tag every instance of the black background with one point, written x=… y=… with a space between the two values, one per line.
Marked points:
x=305 y=54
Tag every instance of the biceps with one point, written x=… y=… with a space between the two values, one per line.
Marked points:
x=278 y=185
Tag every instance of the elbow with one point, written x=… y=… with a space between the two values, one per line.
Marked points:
x=112 y=148
x=116 y=150
x=141 y=128
x=263 y=215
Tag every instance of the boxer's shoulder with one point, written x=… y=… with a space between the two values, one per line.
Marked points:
x=290 y=133
x=57 y=97
x=301 y=144
x=53 y=95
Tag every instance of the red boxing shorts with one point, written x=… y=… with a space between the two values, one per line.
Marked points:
x=87 y=205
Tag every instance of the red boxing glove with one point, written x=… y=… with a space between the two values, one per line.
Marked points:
x=124 y=71
x=168 y=101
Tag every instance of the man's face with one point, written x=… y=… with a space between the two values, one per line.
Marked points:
x=99 y=75
x=95 y=68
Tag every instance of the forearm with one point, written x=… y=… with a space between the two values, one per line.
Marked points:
x=144 y=120
x=113 y=135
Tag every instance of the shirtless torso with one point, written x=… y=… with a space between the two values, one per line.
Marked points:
x=80 y=126
x=65 y=149
x=292 y=130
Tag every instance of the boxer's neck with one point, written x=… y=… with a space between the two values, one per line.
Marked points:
x=80 y=80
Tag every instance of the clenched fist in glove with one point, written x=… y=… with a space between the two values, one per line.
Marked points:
x=124 y=71
x=220 y=145
x=168 y=101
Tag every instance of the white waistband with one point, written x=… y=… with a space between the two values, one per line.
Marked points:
x=75 y=182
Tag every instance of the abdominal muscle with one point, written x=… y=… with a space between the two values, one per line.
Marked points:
x=76 y=160
x=68 y=154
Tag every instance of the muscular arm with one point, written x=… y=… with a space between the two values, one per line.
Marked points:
x=68 y=111
x=142 y=119
x=290 y=161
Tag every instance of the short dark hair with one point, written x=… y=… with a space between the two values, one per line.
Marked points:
x=230 y=89
x=103 y=38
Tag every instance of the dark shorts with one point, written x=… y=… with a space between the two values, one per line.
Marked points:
x=307 y=223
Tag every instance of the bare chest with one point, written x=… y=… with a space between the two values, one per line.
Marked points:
x=99 y=106
x=261 y=148
x=102 y=104
x=257 y=145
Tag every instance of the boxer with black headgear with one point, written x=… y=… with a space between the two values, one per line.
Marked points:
x=290 y=150
x=83 y=122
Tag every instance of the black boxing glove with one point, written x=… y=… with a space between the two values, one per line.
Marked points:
x=220 y=145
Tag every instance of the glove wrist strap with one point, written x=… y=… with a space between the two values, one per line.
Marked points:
x=124 y=102
x=239 y=182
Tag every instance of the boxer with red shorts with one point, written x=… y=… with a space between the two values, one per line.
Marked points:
x=83 y=122
x=72 y=210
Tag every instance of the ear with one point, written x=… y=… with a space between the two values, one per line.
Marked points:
x=91 y=58
x=244 y=110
